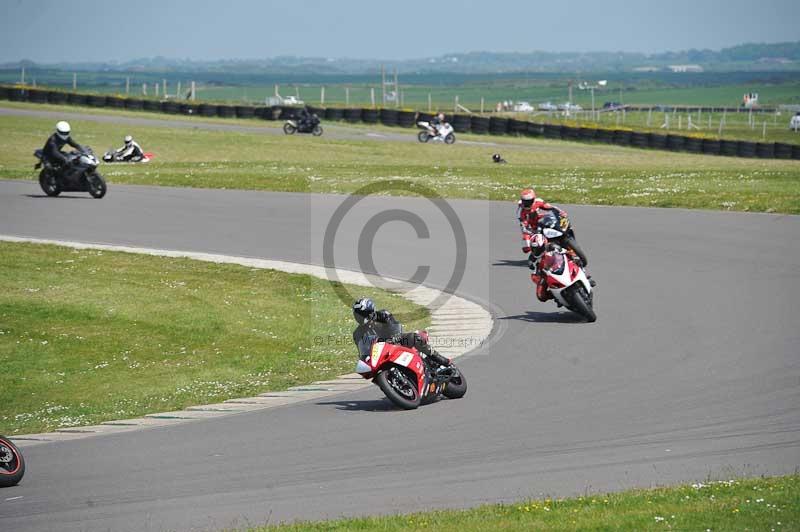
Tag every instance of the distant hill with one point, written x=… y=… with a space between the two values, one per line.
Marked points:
x=752 y=56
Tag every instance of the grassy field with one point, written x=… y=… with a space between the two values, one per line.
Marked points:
x=561 y=171
x=763 y=504
x=90 y=336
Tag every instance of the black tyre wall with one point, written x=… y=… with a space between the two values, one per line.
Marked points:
x=388 y=117
x=746 y=149
x=134 y=104
x=694 y=145
x=406 y=118
x=622 y=137
x=353 y=115
x=765 y=150
x=96 y=100
x=711 y=147
x=461 y=123
x=170 y=107
x=498 y=125
x=151 y=105
x=245 y=111
x=205 y=109
x=729 y=147
x=676 y=142
x=334 y=113
x=783 y=151
x=658 y=142
x=226 y=111
x=370 y=116
x=479 y=124
x=606 y=136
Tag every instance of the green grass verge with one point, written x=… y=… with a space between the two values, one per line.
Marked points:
x=90 y=336
x=762 y=504
x=562 y=172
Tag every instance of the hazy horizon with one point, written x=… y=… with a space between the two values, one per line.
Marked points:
x=46 y=32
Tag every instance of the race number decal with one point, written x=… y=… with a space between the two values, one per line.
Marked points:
x=564 y=222
x=404 y=359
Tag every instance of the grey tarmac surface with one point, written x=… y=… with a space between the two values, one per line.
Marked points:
x=691 y=370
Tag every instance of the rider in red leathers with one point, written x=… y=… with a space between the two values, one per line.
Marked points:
x=538 y=245
x=529 y=210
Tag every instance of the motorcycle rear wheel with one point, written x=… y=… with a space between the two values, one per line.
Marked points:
x=399 y=387
x=450 y=138
x=49 y=184
x=97 y=185
x=289 y=129
x=423 y=136
x=12 y=464
x=457 y=387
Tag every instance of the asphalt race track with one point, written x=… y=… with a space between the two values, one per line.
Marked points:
x=692 y=369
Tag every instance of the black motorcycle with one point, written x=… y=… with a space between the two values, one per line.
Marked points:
x=12 y=465
x=310 y=125
x=556 y=227
x=78 y=174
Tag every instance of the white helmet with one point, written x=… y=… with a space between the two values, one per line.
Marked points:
x=128 y=139
x=63 y=129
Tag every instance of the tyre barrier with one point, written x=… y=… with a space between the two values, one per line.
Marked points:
x=746 y=149
x=570 y=133
x=622 y=137
x=406 y=118
x=170 y=107
x=424 y=117
x=676 y=142
x=226 y=111
x=134 y=104
x=587 y=133
x=95 y=100
x=729 y=147
x=658 y=142
x=640 y=139
x=5 y=93
x=479 y=125
x=205 y=109
x=369 y=116
x=37 y=96
x=461 y=123
x=796 y=152
x=245 y=111
x=388 y=117
x=711 y=147
x=551 y=131
x=783 y=151
x=532 y=129
x=498 y=125
x=288 y=113
x=77 y=99
x=319 y=111
x=606 y=136
x=353 y=115
x=151 y=105
x=17 y=95
x=694 y=145
x=517 y=127
x=334 y=113
x=115 y=102
x=765 y=150
x=57 y=97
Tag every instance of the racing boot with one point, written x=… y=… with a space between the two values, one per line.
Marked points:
x=542 y=293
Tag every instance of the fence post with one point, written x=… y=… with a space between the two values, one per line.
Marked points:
x=764 y=131
x=347 y=96
x=74 y=81
x=178 y=91
x=194 y=93
x=455 y=107
x=322 y=96
x=481 y=104
x=144 y=89
x=127 y=85
x=430 y=107
x=372 y=96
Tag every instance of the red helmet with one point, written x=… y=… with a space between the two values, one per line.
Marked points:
x=526 y=197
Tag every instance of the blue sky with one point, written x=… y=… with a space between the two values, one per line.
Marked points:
x=50 y=31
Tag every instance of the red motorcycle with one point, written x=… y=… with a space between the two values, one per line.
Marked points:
x=12 y=465
x=402 y=374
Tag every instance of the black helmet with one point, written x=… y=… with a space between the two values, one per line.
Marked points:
x=496 y=158
x=363 y=310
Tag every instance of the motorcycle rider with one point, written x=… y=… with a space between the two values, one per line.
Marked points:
x=52 y=148
x=538 y=245
x=437 y=122
x=304 y=119
x=130 y=151
x=384 y=325
x=529 y=210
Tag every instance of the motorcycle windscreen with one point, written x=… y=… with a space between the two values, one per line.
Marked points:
x=365 y=346
x=554 y=262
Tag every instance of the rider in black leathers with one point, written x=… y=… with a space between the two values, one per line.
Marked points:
x=52 y=148
x=382 y=324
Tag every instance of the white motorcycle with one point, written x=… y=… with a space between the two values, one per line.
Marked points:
x=442 y=133
x=567 y=281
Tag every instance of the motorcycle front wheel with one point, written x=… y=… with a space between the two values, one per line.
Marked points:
x=450 y=138
x=289 y=129
x=399 y=387
x=423 y=136
x=317 y=131
x=580 y=303
x=12 y=464
x=97 y=185
x=457 y=386
x=49 y=184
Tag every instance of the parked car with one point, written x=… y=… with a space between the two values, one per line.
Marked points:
x=547 y=106
x=292 y=100
x=569 y=107
x=523 y=107
x=612 y=106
